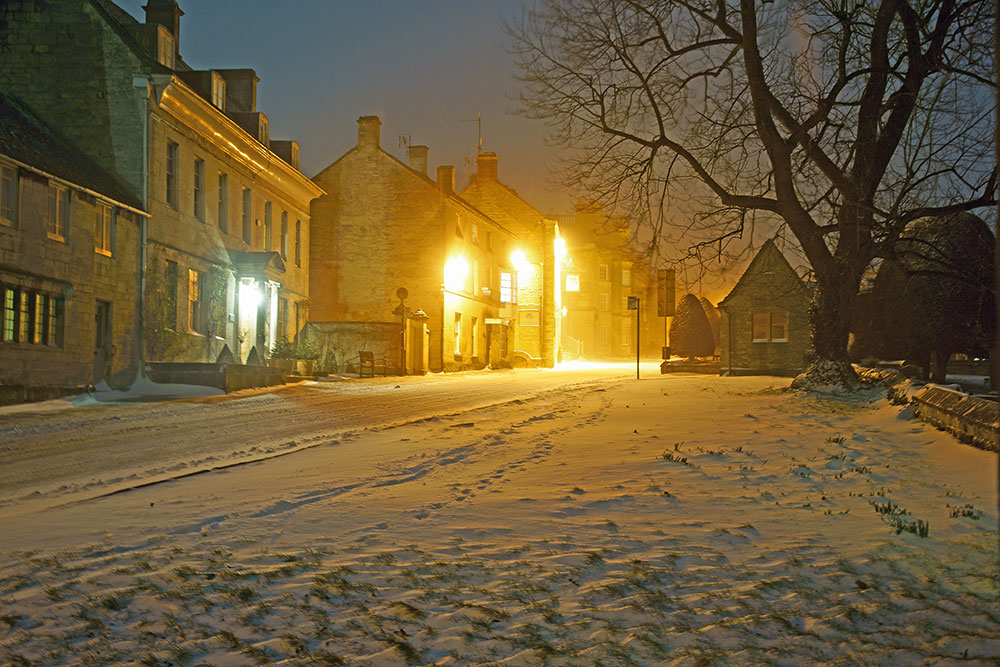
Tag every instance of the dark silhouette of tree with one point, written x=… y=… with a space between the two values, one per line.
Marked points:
x=843 y=120
x=714 y=319
x=935 y=298
x=690 y=330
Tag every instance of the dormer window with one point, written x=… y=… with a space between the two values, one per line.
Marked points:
x=165 y=50
x=265 y=130
x=218 y=91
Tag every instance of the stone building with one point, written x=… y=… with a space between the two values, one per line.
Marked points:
x=384 y=225
x=601 y=273
x=225 y=249
x=69 y=255
x=538 y=259
x=764 y=328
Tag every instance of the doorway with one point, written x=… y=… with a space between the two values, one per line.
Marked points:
x=103 y=349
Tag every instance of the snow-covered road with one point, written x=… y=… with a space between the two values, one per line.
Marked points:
x=685 y=520
x=82 y=452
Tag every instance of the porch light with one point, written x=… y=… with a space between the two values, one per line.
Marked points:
x=249 y=296
x=455 y=271
x=560 y=248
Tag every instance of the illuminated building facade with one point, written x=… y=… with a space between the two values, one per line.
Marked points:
x=225 y=245
x=538 y=259
x=384 y=225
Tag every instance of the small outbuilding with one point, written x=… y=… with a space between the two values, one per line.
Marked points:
x=765 y=319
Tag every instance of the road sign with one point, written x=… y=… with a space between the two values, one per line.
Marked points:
x=665 y=282
x=633 y=303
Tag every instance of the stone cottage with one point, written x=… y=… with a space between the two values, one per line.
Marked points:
x=69 y=257
x=764 y=328
x=538 y=260
x=389 y=241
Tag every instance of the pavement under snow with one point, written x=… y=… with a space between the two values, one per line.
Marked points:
x=677 y=519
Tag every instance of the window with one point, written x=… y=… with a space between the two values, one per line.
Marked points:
x=29 y=316
x=602 y=335
x=626 y=333
x=603 y=273
x=265 y=130
x=171 y=171
x=195 y=313
x=298 y=243
x=603 y=301
x=506 y=287
x=282 y=318
x=58 y=223
x=165 y=50
x=572 y=282
x=247 y=217
x=170 y=307
x=474 y=233
x=104 y=229
x=8 y=196
x=458 y=334
x=283 y=240
x=475 y=336
x=267 y=226
x=218 y=91
x=770 y=327
x=199 y=189
x=223 y=203
x=626 y=276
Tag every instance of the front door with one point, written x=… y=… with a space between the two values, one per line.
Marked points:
x=103 y=350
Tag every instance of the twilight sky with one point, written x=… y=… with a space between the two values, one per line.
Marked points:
x=421 y=65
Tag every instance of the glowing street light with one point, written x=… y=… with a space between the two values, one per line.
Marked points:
x=519 y=260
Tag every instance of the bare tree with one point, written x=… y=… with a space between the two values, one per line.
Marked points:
x=841 y=119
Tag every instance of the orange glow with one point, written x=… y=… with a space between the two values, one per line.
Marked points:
x=456 y=270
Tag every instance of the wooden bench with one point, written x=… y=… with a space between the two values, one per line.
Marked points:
x=369 y=364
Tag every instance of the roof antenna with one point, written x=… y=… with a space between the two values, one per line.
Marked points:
x=478 y=120
x=404 y=141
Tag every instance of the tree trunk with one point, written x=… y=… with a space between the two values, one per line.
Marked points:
x=940 y=357
x=830 y=328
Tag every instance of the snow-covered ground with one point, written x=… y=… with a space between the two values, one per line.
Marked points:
x=678 y=519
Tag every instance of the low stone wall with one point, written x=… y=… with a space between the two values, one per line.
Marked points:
x=971 y=419
x=340 y=342
x=227 y=377
x=15 y=394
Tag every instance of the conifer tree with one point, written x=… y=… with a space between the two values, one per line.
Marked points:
x=690 y=330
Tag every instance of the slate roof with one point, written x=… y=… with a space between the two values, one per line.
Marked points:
x=768 y=255
x=26 y=139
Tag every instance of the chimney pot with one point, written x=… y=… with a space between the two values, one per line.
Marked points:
x=418 y=158
x=369 y=133
x=486 y=167
x=446 y=178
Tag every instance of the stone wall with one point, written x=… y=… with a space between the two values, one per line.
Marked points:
x=340 y=342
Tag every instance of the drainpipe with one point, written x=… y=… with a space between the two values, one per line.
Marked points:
x=142 y=82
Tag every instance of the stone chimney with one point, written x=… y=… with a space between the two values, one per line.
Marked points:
x=486 y=167
x=446 y=179
x=167 y=14
x=418 y=158
x=369 y=133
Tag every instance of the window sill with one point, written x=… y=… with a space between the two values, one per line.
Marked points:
x=767 y=340
x=56 y=237
x=105 y=253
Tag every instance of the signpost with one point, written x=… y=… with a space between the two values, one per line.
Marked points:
x=633 y=304
x=666 y=281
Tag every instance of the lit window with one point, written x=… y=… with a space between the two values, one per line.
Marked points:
x=247 y=217
x=57 y=314
x=171 y=173
x=223 y=202
x=199 y=189
x=104 y=229
x=603 y=273
x=165 y=48
x=31 y=317
x=506 y=287
x=218 y=91
x=58 y=223
x=195 y=315
x=572 y=282
x=9 y=313
x=8 y=196
x=283 y=245
x=458 y=334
